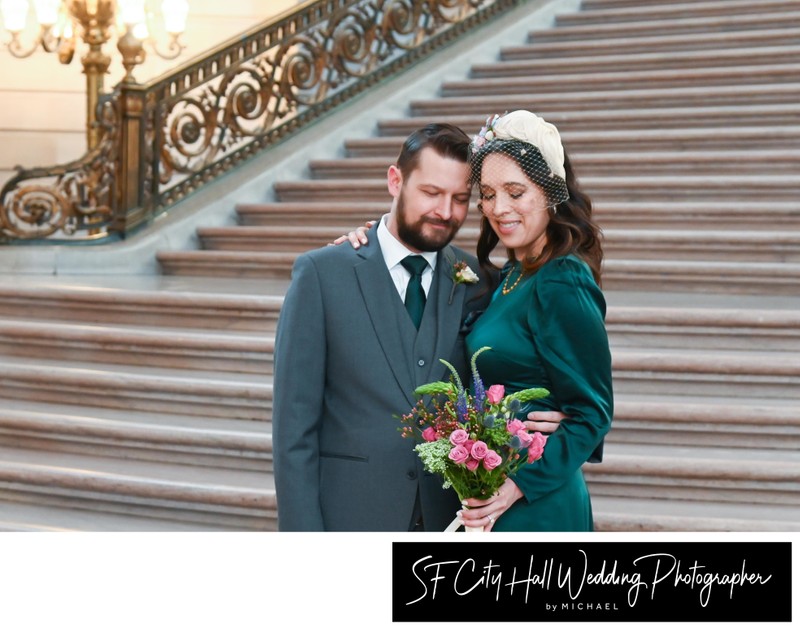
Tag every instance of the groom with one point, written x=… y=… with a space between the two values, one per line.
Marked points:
x=349 y=353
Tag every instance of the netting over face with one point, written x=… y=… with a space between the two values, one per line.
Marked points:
x=532 y=143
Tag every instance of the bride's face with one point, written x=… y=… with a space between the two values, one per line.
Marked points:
x=515 y=207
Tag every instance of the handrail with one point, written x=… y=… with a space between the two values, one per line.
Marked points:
x=164 y=139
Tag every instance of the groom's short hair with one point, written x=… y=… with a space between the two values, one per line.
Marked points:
x=447 y=140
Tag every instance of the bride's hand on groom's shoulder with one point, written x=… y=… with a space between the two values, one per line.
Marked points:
x=357 y=237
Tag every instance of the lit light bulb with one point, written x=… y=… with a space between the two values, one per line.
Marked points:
x=140 y=31
x=15 y=14
x=175 y=13
x=47 y=11
x=132 y=11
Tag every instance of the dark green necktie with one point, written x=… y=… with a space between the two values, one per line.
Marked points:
x=415 y=294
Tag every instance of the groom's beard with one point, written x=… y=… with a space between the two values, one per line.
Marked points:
x=420 y=235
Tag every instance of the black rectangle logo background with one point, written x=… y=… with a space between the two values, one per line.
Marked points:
x=591 y=581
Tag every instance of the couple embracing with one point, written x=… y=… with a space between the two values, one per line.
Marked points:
x=363 y=326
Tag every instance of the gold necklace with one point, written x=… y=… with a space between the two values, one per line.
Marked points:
x=506 y=289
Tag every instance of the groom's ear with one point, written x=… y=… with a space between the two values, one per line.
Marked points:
x=394 y=180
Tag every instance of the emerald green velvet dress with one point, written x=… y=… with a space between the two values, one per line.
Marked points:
x=549 y=331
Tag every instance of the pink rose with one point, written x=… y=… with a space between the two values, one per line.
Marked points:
x=458 y=454
x=458 y=437
x=479 y=450
x=429 y=434
x=515 y=426
x=468 y=445
x=495 y=394
x=525 y=438
x=492 y=460
x=472 y=464
x=536 y=448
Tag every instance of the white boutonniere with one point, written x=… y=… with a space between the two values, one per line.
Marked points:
x=462 y=274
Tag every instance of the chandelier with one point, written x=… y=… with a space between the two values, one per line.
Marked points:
x=95 y=22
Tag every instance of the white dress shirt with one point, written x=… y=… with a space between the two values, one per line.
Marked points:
x=394 y=252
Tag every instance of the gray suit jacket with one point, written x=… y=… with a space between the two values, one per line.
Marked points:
x=347 y=361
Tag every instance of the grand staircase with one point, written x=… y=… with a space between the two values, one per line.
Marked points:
x=145 y=405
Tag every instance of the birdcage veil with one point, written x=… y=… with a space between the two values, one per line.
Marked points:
x=534 y=144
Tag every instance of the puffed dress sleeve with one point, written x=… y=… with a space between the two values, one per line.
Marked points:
x=566 y=317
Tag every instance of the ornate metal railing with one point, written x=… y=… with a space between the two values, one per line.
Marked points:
x=163 y=140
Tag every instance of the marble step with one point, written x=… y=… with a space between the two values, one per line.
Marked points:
x=714 y=477
x=752 y=278
x=603 y=188
x=632 y=514
x=227 y=264
x=628 y=11
x=581 y=27
x=739 y=375
x=720 y=483
x=589 y=163
x=97 y=301
x=32 y=517
x=583 y=80
x=206 y=498
x=148 y=347
x=135 y=435
x=637 y=62
x=600 y=98
x=706 y=422
x=662 y=214
x=784 y=137
x=694 y=245
x=688 y=244
x=217 y=394
x=712 y=328
x=537 y=48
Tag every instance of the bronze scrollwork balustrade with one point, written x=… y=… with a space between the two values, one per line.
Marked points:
x=163 y=140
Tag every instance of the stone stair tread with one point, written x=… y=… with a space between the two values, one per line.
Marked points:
x=119 y=287
x=720 y=268
x=254 y=436
x=757 y=358
x=655 y=514
x=692 y=23
x=694 y=116
x=255 y=256
x=612 y=181
x=691 y=301
x=317 y=234
x=22 y=464
x=762 y=133
x=131 y=334
x=567 y=81
x=123 y=417
x=711 y=316
x=133 y=375
x=376 y=208
x=688 y=461
x=666 y=41
x=599 y=12
x=587 y=158
x=757 y=401
x=702 y=58
x=30 y=517
x=720 y=411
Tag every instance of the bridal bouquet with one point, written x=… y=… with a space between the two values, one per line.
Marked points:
x=472 y=439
